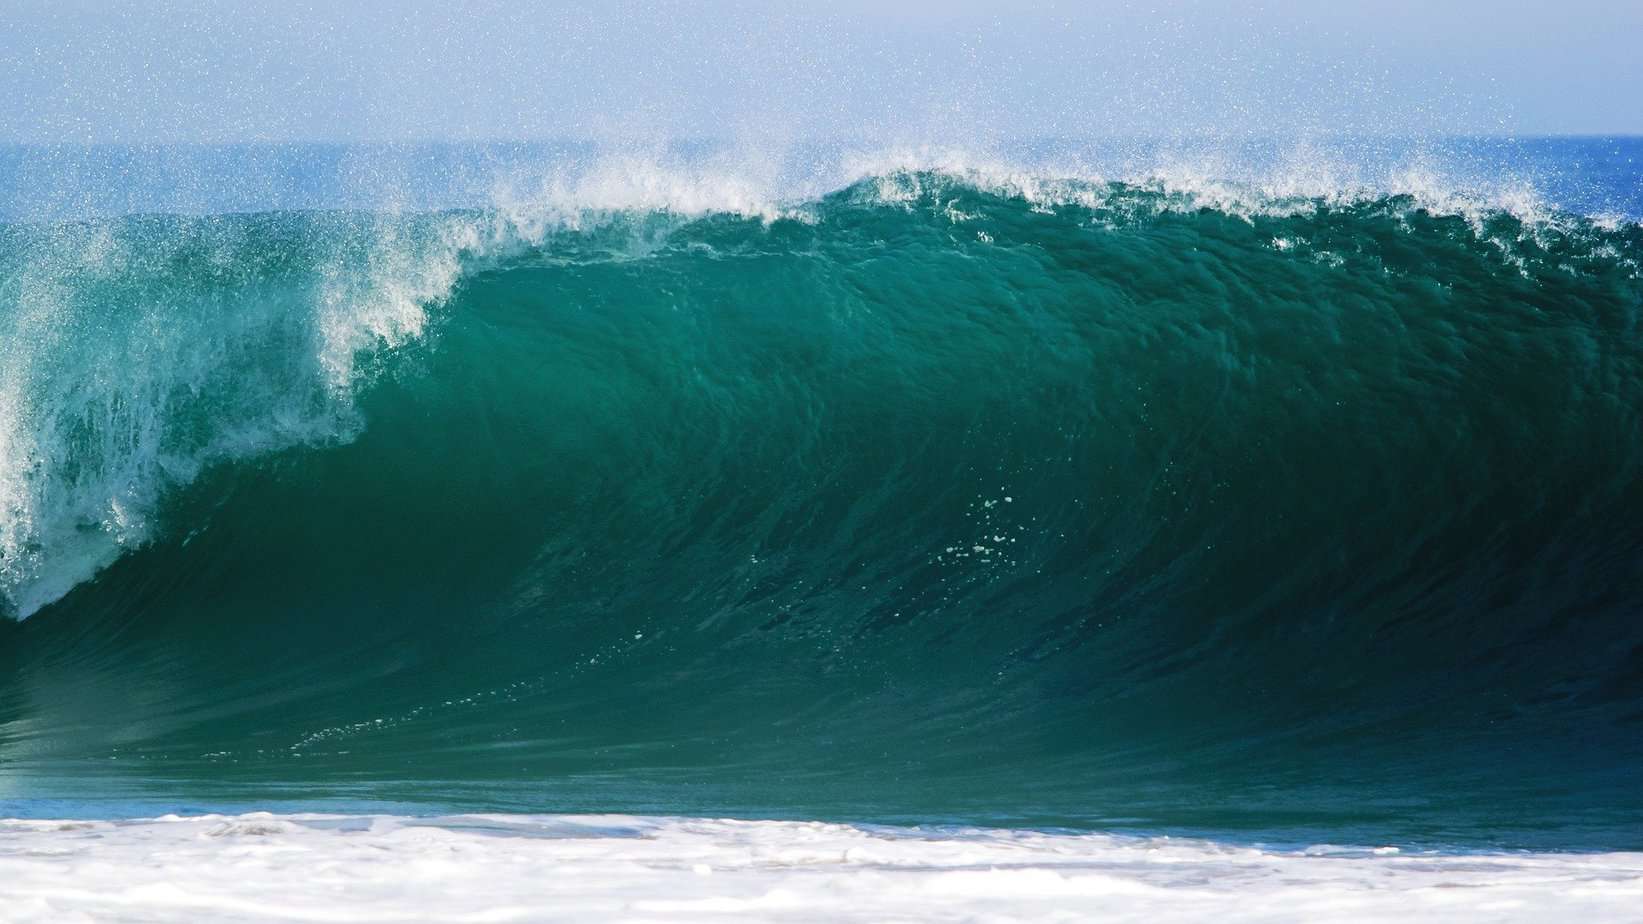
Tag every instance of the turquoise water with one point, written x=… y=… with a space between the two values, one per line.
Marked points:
x=941 y=495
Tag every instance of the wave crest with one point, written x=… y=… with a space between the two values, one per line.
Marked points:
x=139 y=351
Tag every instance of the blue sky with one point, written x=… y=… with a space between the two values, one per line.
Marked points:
x=957 y=72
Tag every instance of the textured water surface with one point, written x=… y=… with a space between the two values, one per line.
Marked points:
x=954 y=492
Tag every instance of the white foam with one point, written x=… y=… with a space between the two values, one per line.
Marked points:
x=263 y=867
x=1300 y=182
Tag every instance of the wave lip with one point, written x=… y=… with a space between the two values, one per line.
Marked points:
x=514 y=867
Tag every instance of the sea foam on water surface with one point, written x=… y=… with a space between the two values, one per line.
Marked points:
x=568 y=868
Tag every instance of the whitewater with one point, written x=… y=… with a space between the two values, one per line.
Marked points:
x=307 y=867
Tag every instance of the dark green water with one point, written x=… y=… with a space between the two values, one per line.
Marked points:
x=922 y=502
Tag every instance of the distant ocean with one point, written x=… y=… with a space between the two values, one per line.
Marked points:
x=1103 y=525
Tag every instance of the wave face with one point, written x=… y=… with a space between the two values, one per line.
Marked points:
x=943 y=494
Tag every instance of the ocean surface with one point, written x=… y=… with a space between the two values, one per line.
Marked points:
x=1254 y=496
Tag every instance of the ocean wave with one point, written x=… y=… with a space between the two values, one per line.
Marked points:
x=336 y=289
x=1128 y=478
